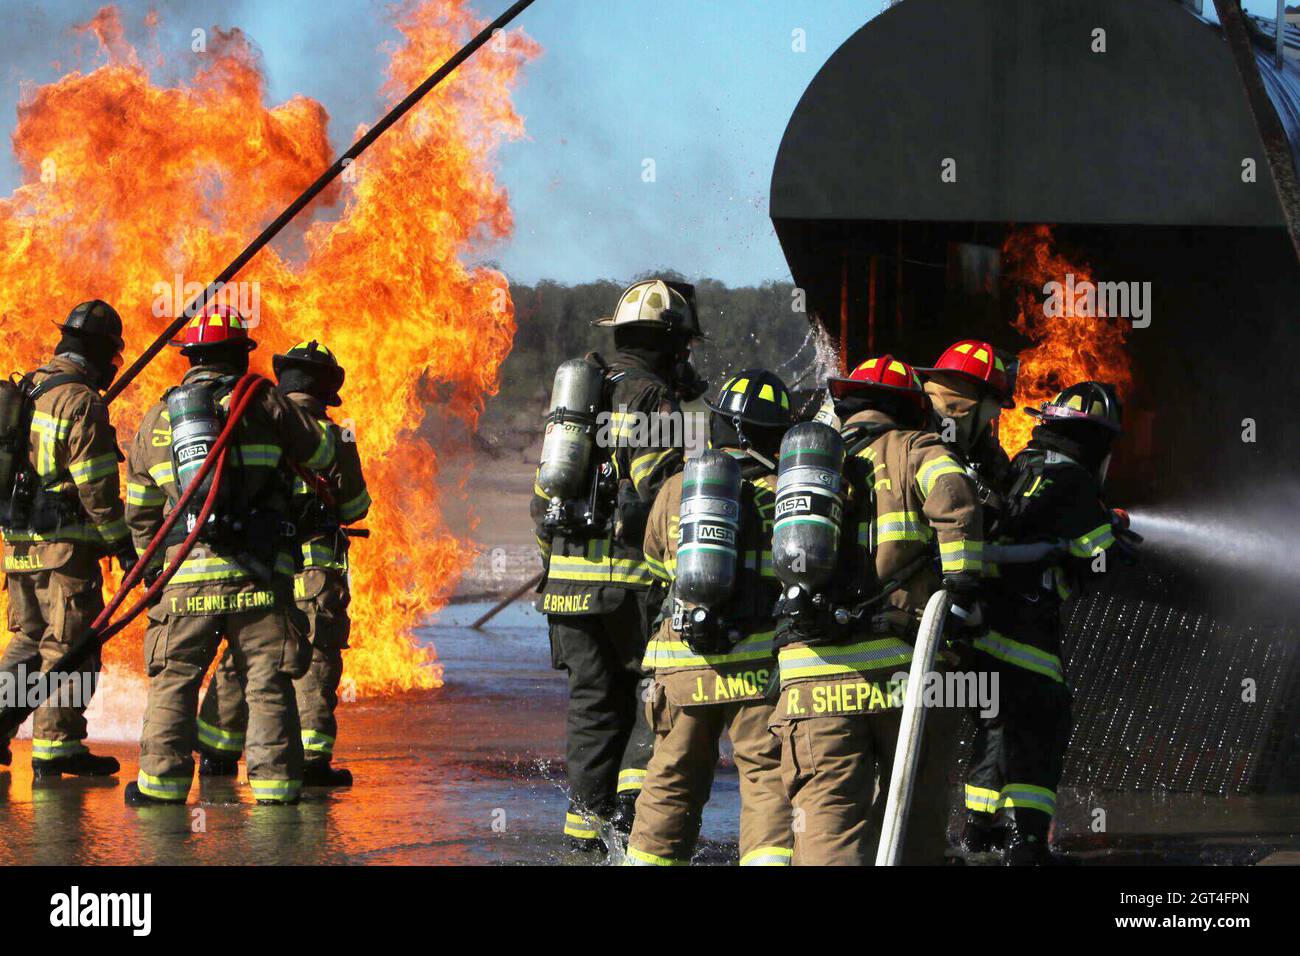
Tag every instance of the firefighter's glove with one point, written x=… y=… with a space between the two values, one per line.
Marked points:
x=966 y=615
x=151 y=575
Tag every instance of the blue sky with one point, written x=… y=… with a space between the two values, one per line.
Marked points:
x=702 y=87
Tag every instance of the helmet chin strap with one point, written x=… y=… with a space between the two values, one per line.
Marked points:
x=748 y=448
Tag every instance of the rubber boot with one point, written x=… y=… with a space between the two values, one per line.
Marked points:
x=1027 y=844
x=210 y=766
x=320 y=774
x=77 y=765
x=977 y=834
x=132 y=797
x=586 y=846
x=624 y=814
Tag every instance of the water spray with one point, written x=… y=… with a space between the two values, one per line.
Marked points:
x=1258 y=538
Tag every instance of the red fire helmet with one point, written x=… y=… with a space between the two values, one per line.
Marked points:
x=217 y=325
x=980 y=361
x=884 y=372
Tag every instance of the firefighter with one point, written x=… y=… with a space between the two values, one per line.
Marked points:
x=310 y=376
x=237 y=583
x=968 y=388
x=1054 y=497
x=716 y=680
x=56 y=533
x=840 y=699
x=595 y=589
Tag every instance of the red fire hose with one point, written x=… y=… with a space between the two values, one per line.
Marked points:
x=101 y=631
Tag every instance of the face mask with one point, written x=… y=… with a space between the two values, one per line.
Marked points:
x=971 y=427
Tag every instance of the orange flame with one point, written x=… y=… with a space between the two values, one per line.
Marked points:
x=1067 y=349
x=128 y=184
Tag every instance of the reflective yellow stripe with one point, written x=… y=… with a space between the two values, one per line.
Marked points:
x=316 y=742
x=637 y=857
x=82 y=533
x=661 y=653
x=582 y=828
x=113 y=531
x=564 y=567
x=630 y=780
x=92 y=469
x=174 y=789
x=43 y=749
x=1098 y=539
x=350 y=510
x=897 y=526
x=162 y=473
x=644 y=466
x=933 y=470
x=324 y=453
x=258 y=456
x=143 y=496
x=280 y=791
x=768 y=856
x=981 y=799
x=317 y=555
x=218 y=739
x=1027 y=796
x=1021 y=655
x=657 y=568
x=827 y=661
x=963 y=554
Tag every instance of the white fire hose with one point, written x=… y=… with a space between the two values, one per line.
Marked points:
x=908 y=753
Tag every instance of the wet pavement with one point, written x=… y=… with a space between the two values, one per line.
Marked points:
x=469 y=773
x=473 y=773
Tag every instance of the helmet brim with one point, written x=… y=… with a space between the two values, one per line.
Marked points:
x=844 y=387
x=746 y=419
x=117 y=340
x=609 y=323
x=1006 y=401
x=1070 y=415
x=186 y=350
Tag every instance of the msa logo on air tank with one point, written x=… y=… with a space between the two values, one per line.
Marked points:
x=719 y=533
x=793 y=503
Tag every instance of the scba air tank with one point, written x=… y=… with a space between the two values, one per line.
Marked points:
x=565 y=468
x=196 y=425
x=809 y=507
x=707 y=554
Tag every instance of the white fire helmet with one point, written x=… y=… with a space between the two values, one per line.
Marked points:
x=656 y=302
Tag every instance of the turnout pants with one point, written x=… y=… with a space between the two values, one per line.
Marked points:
x=1019 y=754
x=607 y=741
x=267 y=651
x=679 y=778
x=836 y=771
x=48 y=611
x=223 y=716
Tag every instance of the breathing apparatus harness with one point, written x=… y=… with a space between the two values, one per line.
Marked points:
x=104 y=628
x=253 y=535
x=24 y=503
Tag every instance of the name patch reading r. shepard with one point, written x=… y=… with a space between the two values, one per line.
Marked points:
x=840 y=698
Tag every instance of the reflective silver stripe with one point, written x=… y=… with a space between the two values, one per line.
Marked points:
x=768 y=856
